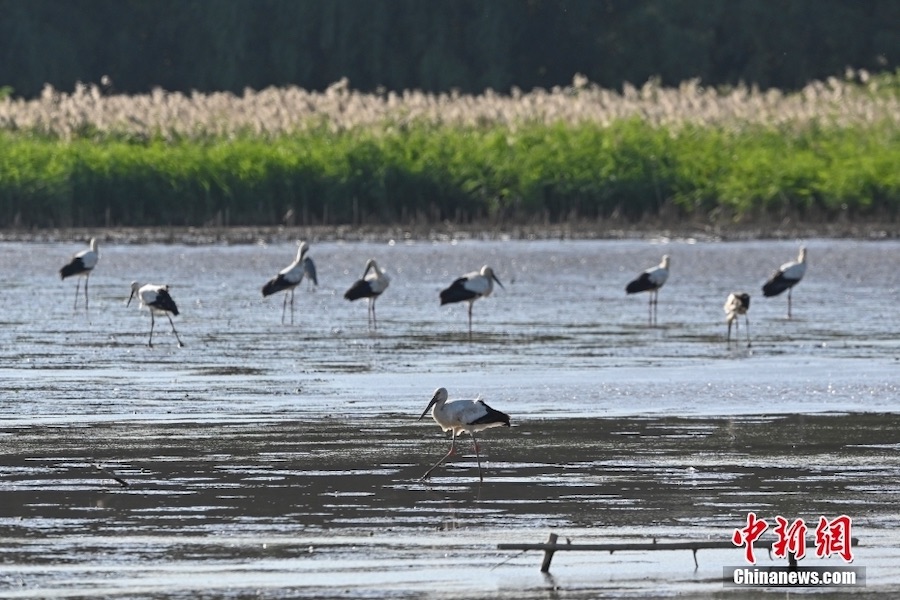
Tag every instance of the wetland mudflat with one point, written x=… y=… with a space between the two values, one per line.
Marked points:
x=279 y=461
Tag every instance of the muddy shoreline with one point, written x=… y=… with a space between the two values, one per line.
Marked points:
x=588 y=230
x=271 y=460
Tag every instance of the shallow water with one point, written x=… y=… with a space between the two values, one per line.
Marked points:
x=283 y=461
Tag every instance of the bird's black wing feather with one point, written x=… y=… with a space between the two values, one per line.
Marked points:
x=75 y=267
x=457 y=292
x=360 y=289
x=164 y=302
x=641 y=284
x=492 y=416
x=276 y=284
x=777 y=284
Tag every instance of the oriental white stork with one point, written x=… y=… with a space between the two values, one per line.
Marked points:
x=374 y=281
x=738 y=303
x=469 y=288
x=288 y=279
x=157 y=299
x=786 y=277
x=650 y=281
x=462 y=416
x=81 y=265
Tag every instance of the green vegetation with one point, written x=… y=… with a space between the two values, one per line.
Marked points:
x=428 y=174
x=832 y=149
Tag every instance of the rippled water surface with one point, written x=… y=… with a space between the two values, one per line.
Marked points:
x=280 y=461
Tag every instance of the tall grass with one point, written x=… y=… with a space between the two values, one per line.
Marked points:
x=85 y=159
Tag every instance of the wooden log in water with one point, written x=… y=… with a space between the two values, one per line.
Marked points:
x=551 y=546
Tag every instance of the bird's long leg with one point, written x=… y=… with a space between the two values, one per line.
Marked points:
x=728 y=337
x=180 y=345
x=445 y=457
x=77 y=289
x=372 y=309
x=747 y=319
x=283 y=308
x=789 y=302
x=656 y=306
x=477 y=457
x=87 y=278
x=292 y=305
x=152 y=322
x=471 y=303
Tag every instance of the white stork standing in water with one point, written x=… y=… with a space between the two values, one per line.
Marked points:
x=469 y=288
x=462 y=416
x=786 y=277
x=288 y=279
x=374 y=281
x=650 y=281
x=157 y=299
x=82 y=264
x=738 y=303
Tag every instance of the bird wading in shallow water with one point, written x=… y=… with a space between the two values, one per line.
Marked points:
x=81 y=265
x=650 y=281
x=462 y=416
x=374 y=281
x=157 y=299
x=738 y=303
x=469 y=288
x=288 y=279
x=786 y=277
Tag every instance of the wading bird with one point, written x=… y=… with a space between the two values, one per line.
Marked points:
x=157 y=299
x=288 y=279
x=374 y=281
x=650 y=281
x=786 y=277
x=469 y=288
x=462 y=416
x=82 y=264
x=738 y=303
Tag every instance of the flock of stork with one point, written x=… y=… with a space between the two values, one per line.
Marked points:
x=738 y=303
x=457 y=416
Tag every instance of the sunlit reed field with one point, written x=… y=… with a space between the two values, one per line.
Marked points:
x=93 y=158
x=857 y=101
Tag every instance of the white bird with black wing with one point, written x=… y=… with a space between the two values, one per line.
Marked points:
x=289 y=277
x=651 y=281
x=469 y=288
x=372 y=284
x=462 y=416
x=157 y=300
x=786 y=277
x=737 y=303
x=81 y=265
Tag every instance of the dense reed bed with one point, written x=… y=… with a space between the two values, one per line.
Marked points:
x=338 y=157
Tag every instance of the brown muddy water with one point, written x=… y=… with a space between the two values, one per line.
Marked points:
x=274 y=461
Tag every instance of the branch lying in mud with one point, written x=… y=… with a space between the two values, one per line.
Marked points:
x=111 y=475
x=550 y=547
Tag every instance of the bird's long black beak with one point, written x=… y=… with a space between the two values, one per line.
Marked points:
x=498 y=281
x=427 y=408
x=129 y=298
